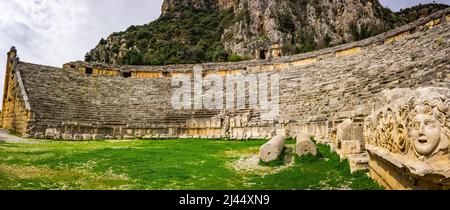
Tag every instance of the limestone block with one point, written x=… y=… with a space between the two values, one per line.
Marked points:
x=26 y=136
x=50 y=133
x=67 y=137
x=351 y=147
x=358 y=162
x=98 y=137
x=39 y=136
x=350 y=131
x=305 y=146
x=128 y=137
x=87 y=137
x=272 y=149
x=388 y=96
x=282 y=132
x=77 y=137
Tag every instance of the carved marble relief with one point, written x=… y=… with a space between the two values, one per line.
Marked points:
x=415 y=131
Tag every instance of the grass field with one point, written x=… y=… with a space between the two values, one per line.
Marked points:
x=168 y=164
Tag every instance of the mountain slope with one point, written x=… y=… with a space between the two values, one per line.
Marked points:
x=194 y=31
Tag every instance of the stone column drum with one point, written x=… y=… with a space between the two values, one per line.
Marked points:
x=305 y=146
x=272 y=149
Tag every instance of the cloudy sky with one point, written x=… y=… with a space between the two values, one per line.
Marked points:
x=53 y=32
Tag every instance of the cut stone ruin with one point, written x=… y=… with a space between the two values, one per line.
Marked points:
x=350 y=144
x=305 y=146
x=408 y=141
x=272 y=150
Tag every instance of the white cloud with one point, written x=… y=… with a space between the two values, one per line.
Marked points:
x=53 y=32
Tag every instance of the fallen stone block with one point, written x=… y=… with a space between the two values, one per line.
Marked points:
x=26 y=136
x=39 y=135
x=272 y=149
x=50 y=133
x=358 y=162
x=351 y=147
x=305 y=146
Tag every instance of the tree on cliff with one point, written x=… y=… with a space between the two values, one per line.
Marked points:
x=195 y=31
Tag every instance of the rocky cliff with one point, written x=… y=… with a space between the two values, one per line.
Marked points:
x=301 y=25
x=192 y=31
x=170 y=5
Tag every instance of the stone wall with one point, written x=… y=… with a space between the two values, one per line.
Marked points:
x=15 y=113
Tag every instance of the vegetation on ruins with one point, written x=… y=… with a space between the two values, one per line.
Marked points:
x=191 y=36
x=168 y=164
x=408 y=15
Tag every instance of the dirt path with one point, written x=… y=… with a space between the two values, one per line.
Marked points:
x=5 y=136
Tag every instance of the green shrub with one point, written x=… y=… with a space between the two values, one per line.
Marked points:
x=190 y=36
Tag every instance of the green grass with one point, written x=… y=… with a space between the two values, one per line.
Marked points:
x=275 y=163
x=168 y=164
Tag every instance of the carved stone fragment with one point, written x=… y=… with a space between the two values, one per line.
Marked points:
x=411 y=134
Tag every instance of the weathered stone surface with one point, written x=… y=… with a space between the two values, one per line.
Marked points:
x=305 y=146
x=408 y=141
x=98 y=136
x=350 y=131
x=128 y=137
x=271 y=150
x=39 y=136
x=87 y=137
x=50 y=133
x=67 y=137
x=351 y=147
x=358 y=162
x=77 y=137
